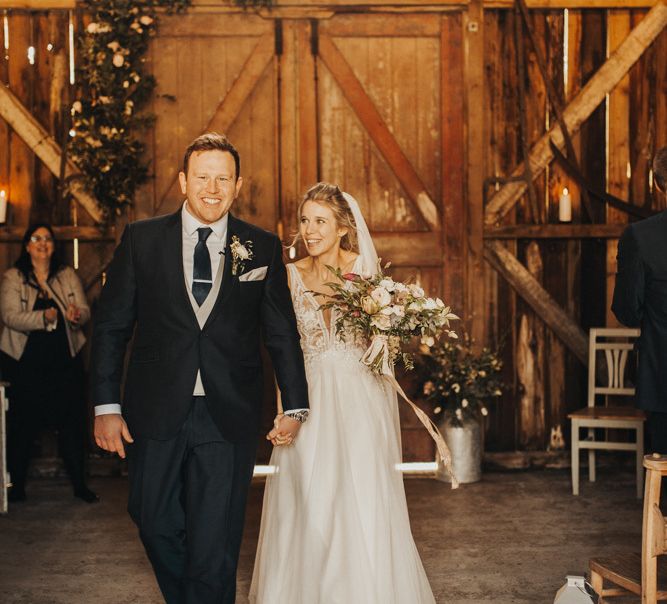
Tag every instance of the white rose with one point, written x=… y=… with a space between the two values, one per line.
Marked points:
x=429 y=304
x=77 y=107
x=415 y=290
x=388 y=284
x=114 y=46
x=398 y=310
x=456 y=387
x=484 y=411
x=381 y=296
x=146 y=20
x=118 y=60
x=382 y=322
x=464 y=403
x=93 y=28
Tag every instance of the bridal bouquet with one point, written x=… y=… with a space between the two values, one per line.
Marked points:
x=386 y=313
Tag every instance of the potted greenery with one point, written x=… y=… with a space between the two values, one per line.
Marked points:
x=459 y=382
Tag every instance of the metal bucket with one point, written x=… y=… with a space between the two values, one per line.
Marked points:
x=465 y=444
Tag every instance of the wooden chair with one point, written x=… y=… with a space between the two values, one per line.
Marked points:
x=616 y=345
x=644 y=575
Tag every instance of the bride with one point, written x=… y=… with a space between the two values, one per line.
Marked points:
x=335 y=526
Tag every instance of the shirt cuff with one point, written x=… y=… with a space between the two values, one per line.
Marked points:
x=300 y=415
x=107 y=409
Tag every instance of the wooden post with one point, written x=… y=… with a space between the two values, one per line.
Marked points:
x=581 y=107
x=474 y=76
x=453 y=160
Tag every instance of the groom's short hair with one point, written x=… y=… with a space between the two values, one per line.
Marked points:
x=211 y=141
x=660 y=169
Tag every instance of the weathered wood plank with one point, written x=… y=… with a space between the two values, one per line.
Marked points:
x=307 y=83
x=228 y=110
x=199 y=26
x=453 y=166
x=378 y=130
x=424 y=249
x=473 y=23
x=43 y=145
x=534 y=294
x=554 y=231
x=604 y=81
x=530 y=365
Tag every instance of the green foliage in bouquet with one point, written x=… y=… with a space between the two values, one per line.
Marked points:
x=106 y=119
x=367 y=308
x=459 y=382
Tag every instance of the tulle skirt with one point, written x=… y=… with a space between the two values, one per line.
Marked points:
x=335 y=526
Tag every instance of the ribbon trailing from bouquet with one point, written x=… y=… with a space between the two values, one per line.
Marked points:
x=377 y=357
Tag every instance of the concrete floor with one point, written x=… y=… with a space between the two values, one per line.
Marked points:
x=508 y=539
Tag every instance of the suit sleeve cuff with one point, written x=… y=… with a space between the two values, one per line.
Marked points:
x=107 y=409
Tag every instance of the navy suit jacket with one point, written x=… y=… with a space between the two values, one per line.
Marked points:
x=145 y=294
x=640 y=300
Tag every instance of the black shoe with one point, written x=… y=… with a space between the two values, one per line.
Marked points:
x=16 y=494
x=87 y=495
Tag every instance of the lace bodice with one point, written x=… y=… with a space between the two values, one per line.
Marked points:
x=317 y=337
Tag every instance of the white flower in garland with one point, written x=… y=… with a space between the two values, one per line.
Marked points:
x=118 y=60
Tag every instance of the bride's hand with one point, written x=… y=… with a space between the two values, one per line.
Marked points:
x=284 y=430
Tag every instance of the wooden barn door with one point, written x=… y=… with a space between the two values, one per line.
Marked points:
x=370 y=116
x=352 y=99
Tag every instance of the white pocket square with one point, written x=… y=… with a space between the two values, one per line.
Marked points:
x=256 y=274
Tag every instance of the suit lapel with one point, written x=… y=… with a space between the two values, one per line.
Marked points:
x=174 y=266
x=229 y=282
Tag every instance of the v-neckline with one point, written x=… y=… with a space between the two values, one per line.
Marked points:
x=327 y=329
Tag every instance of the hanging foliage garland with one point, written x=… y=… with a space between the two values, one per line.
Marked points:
x=107 y=119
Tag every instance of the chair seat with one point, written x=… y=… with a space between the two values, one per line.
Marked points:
x=610 y=413
x=626 y=571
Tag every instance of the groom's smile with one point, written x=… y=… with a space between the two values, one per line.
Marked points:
x=211 y=185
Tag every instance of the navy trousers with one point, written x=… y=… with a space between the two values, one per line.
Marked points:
x=188 y=498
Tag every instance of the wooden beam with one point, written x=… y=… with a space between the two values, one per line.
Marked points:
x=307 y=106
x=14 y=234
x=229 y=108
x=380 y=134
x=555 y=231
x=573 y=4
x=581 y=107
x=44 y=147
x=540 y=300
x=38 y=4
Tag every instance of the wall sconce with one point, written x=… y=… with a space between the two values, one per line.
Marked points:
x=3 y=206
x=565 y=206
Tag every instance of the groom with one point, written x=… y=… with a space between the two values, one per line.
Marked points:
x=195 y=288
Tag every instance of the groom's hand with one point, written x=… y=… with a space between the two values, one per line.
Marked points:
x=110 y=430
x=284 y=430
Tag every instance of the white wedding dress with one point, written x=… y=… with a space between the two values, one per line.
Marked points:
x=335 y=526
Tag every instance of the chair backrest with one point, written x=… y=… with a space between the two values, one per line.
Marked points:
x=654 y=531
x=616 y=343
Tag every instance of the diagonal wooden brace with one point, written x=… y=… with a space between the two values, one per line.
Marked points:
x=45 y=147
x=377 y=129
x=538 y=298
x=581 y=107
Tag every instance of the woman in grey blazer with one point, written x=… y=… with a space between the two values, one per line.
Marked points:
x=43 y=307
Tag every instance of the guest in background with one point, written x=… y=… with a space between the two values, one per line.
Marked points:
x=43 y=307
x=640 y=300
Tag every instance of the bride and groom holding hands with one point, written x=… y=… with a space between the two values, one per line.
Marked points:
x=199 y=290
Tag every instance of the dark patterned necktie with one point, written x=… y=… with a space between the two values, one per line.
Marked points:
x=202 y=280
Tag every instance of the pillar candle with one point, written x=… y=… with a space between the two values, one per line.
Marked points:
x=565 y=206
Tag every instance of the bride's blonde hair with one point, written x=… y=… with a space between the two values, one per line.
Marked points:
x=330 y=195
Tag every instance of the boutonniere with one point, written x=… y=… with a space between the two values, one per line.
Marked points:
x=240 y=253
